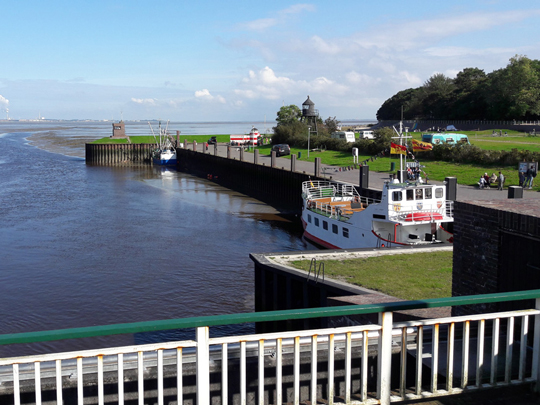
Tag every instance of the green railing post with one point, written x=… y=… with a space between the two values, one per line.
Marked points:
x=203 y=365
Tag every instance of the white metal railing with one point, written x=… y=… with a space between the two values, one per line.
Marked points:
x=461 y=353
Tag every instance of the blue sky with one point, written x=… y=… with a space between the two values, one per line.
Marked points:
x=241 y=61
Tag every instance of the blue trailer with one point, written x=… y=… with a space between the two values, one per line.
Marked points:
x=445 y=139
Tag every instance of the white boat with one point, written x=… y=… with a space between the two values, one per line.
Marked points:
x=336 y=216
x=165 y=153
x=164 y=157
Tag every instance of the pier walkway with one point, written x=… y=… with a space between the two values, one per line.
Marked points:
x=376 y=179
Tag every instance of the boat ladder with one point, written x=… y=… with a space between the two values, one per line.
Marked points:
x=316 y=272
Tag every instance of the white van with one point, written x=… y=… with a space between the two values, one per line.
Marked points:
x=366 y=135
x=346 y=136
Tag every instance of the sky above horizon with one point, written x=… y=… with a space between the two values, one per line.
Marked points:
x=240 y=61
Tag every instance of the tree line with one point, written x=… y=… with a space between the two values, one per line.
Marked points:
x=510 y=93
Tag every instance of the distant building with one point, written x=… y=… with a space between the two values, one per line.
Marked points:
x=119 y=130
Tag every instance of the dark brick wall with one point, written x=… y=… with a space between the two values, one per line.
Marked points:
x=484 y=232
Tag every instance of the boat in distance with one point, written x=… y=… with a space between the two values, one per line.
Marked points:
x=165 y=153
x=336 y=216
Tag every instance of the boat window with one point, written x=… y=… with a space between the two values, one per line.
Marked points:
x=397 y=196
x=334 y=228
x=438 y=192
x=410 y=195
x=325 y=225
x=419 y=194
x=428 y=193
x=309 y=218
x=346 y=232
x=316 y=221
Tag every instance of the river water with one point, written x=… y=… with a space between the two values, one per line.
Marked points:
x=84 y=246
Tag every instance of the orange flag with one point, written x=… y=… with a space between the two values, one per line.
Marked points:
x=397 y=149
x=419 y=146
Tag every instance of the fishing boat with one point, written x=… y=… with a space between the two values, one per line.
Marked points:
x=336 y=216
x=165 y=153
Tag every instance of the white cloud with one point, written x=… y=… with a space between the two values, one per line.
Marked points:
x=204 y=94
x=361 y=78
x=282 y=16
x=259 y=25
x=296 y=9
x=265 y=84
x=325 y=47
x=144 y=101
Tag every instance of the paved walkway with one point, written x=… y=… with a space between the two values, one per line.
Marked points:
x=376 y=179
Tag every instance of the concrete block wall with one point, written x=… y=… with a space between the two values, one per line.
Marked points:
x=494 y=242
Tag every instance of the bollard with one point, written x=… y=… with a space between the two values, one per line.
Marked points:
x=515 y=192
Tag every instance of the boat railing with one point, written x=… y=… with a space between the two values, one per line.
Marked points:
x=315 y=189
x=450 y=209
x=446 y=211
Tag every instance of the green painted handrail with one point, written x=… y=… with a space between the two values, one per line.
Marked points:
x=230 y=319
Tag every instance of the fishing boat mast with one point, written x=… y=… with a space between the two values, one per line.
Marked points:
x=401 y=138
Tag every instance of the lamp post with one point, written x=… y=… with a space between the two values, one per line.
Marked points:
x=308 y=133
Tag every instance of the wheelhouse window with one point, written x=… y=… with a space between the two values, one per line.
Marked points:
x=419 y=194
x=397 y=196
x=428 y=193
x=316 y=221
x=439 y=192
x=410 y=195
x=325 y=225
x=334 y=228
x=346 y=232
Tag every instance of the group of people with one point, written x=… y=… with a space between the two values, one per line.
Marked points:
x=486 y=181
x=526 y=179
x=414 y=173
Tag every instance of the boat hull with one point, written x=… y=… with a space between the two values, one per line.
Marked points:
x=164 y=162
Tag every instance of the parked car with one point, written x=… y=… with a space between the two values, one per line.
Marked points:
x=212 y=141
x=281 y=149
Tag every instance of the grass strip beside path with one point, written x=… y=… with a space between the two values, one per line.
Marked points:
x=409 y=277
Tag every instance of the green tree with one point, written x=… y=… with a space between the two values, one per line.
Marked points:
x=391 y=108
x=331 y=124
x=288 y=114
x=514 y=91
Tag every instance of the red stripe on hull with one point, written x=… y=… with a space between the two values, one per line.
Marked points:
x=318 y=241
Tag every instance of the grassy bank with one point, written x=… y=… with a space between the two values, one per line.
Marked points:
x=467 y=174
x=410 y=277
x=150 y=139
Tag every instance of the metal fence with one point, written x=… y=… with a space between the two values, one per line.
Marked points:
x=372 y=363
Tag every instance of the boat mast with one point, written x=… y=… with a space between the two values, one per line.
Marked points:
x=401 y=137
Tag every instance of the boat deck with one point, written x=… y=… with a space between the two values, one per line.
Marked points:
x=346 y=207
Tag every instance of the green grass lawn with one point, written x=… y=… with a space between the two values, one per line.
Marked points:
x=409 y=277
x=466 y=174
x=150 y=139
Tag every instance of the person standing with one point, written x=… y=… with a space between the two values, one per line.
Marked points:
x=528 y=177
x=501 y=181
x=521 y=178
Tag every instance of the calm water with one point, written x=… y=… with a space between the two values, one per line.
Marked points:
x=83 y=246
